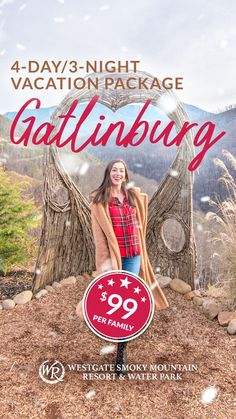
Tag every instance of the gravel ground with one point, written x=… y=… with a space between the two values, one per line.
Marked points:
x=48 y=330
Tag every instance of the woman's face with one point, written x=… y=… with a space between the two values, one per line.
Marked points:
x=117 y=174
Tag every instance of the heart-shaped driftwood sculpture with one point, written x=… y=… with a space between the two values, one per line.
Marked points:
x=66 y=245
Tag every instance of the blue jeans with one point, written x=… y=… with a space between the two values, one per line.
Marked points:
x=131 y=264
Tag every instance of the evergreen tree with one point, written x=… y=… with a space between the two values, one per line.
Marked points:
x=18 y=215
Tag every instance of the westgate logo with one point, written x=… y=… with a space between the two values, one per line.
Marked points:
x=52 y=372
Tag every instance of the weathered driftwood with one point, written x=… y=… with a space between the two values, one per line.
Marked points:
x=173 y=201
x=66 y=245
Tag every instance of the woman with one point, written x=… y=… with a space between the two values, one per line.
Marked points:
x=119 y=222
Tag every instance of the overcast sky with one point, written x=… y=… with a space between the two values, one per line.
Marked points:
x=192 y=39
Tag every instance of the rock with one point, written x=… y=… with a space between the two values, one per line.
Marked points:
x=49 y=288
x=198 y=301
x=1 y=307
x=86 y=276
x=231 y=329
x=71 y=280
x=194 y=293
x=41 y=294
x=8 y=304
x=23 y=297
x=56 y=285
x=51 y=333
x=217 y=292
x=180 y=286
x=210 y=309
x=224 y=317
x=80 y=278
x=163 y=281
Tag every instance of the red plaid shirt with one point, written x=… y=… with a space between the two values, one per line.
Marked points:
x=125 y=227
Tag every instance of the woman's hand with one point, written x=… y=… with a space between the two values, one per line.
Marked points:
x=79 y=311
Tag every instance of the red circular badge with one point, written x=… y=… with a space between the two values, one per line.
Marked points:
x=118 y=306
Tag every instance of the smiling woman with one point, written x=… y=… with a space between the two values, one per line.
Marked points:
x=119 y=222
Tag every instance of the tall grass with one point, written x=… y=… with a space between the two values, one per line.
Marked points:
x=224 y=234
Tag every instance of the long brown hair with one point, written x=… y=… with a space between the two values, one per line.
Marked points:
x=103 y=192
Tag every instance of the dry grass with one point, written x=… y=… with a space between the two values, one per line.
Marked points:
x=224 y=220
x=48 y=329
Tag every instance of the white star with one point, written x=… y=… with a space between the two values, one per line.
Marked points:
x=137 y=290
x=111 y=282
x=100 y=286
x=125 y=283
x=143 y=299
